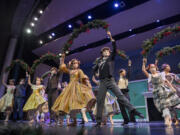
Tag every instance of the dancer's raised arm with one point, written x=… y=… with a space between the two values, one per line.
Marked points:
x=129 y=69
x=62 y=66
x=62 y=59
x=113 y=54
x=144 y=67
x=3 y=81
x=29 y=80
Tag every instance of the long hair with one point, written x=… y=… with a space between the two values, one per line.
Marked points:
x=70 y=65
x=149 y=66
x=163 y=67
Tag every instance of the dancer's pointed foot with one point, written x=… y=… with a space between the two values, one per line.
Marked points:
x=135 y=112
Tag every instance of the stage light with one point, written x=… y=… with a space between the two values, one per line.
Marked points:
x=70 y=26
x=40 y=41
x=67 y=52
x=40 y=11
x=130 y=29
x=50 y=37
x=53 y=34
x=32 y=24
x=35 y=18
x=28 y=30
x=89 y=17
x=116 y=5
x=157 y=21
x=60 y=54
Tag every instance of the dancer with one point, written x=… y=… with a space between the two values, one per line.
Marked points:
x=175 y=81
x=6 y=102
x=42 y=112
x=111 y=106
x=164 y=97
x=72 y=99
x=36 y=100
x=105 y=68
x=19 y=98
x=52 y=88
x=171 y=77
x=123 y=85
x=63 y=86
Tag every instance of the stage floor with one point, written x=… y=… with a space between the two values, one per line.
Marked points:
x=153 y=128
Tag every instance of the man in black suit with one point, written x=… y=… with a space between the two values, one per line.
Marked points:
x=104 y=67
x=52 y=87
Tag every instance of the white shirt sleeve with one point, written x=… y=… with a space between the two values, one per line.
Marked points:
x=163 y=75
x=149 y=78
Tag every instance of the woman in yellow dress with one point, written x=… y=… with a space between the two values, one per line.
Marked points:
x=73 y=98
x=35 y=101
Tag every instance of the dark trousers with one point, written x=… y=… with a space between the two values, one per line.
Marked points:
x=18 y=108
x=52 y=95
x=110 y=84
x=123 y=109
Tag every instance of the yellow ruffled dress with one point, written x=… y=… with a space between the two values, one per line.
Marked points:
x=35 y=100
x=73 y=98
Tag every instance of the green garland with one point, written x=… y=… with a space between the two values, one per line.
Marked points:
x=23 y=65
x=47 y=56
x=122 y=54
x=167 y=51
x=149 y=43
x=26 y=67
x=95 y=24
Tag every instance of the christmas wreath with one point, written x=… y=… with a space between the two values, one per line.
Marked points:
x=149 y=43
x=95 y=24
x=26 y=67
x=47 y=56
x=167 y=51
x=23 y=65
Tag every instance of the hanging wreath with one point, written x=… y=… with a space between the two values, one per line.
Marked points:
x=23 y=65
x=149 y=43
x=95 y=24
x=47 y=56
x=167 y=51
x=26 y=67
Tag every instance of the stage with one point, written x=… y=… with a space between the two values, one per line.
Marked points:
x=152 y=128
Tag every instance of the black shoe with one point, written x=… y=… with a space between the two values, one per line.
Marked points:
x=125 y=123
x=82 y=123
x=135 y=112
x=14 y=120
x=133 y=121
x=98 y=124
